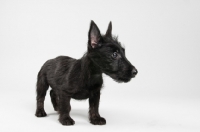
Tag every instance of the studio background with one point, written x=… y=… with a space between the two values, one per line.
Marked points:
x=161 y=38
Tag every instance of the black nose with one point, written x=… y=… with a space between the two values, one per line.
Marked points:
x=134 y=72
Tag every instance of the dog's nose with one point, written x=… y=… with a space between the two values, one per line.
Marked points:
x=134 y=72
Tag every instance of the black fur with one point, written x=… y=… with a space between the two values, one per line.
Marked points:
x=82 y=78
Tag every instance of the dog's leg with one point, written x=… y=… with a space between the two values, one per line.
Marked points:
x=54 y=100
x=64 y=109
x=95 y=118
x=42 y=87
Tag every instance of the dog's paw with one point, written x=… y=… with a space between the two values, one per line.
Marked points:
x=67 y=121
x=98 y=121
x=40 y=113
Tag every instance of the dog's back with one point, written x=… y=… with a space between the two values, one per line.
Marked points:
x=55 y=70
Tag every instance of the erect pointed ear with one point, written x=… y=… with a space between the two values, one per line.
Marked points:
x=94 y=35
x=109 y=30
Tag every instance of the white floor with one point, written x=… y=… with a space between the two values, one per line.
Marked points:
x=125 y=113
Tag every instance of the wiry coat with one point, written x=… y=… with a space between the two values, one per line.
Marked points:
x=82 y=78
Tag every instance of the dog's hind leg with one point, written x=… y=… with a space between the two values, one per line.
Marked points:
x=54 y=100
x=65 y=108
x=42 y=87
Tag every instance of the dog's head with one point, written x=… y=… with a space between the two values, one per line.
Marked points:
x=108 y=54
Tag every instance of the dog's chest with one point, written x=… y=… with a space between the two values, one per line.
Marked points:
x=82 y=94
x=93 y=86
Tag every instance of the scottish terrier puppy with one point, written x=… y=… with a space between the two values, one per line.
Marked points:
x=82 y=78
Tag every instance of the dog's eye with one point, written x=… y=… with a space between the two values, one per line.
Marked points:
x=114 y=55
x=99 y=44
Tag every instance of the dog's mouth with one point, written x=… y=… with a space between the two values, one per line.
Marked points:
x=123 y=79
x=120 y=79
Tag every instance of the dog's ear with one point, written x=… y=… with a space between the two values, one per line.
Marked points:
x=109 y=30
x=94 y=35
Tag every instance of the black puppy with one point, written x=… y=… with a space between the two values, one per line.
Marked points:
x=82 y=78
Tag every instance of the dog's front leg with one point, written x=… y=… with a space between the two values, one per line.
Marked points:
x=94 y=116
x=64 y=109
